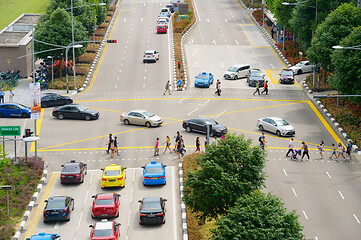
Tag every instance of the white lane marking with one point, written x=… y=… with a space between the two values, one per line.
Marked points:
x=294 y=192
x=220 y=114
x=141 y=19
x=145 y=77
x=118 y=78
x=193 y=111
x=115 y=86
x=86 y=196
x=358 y=221
x=214 y=42
x=144 y=85
x=225 y=20
x=81 y=215
x=285 y=172
x=304 y=213
x=120 y=70
x=195 y=5
x=56 y=226
x=174 y=207
x=222 y=65
x=329 y=176
x=207 y=19
x=145 y=70
x=91 y=178
x=236 y=42
x=243 y=21
x=341 y=195
x=125 y=19
x=144 y=4
x=272 y=66
x=316 y=238
x=180 y=100
x=204 y=103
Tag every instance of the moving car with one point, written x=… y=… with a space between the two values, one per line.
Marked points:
x=166 y=10
x=154 y=174
x=53 y=99
x=162 y=21
x=170 y=7
x=204 y=79
x=163 y=16
x=276 y=125
x=14 y=110
x=199 y=124
x=75 y=111
x=150 y=56
x=73 y=172
x=152 y=210
x=113 y=176
x=141 y=117
x=105 y=230
x=162 y=28
x=302 y=67
x=287 y=76
x=105 y=205
x=253 y=76
x=237 y=71
x=44 y=236
x=58 y=208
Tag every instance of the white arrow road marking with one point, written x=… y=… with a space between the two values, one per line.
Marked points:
x=193 y=111
x=273 y=67
x=214 y=42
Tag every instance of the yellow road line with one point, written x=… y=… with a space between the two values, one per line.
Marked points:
x=240 y=5
x=41 y=206
x=107 y=110
x=38 y=127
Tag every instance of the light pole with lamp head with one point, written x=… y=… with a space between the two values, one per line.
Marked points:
x=52 y=69
x=66 y=62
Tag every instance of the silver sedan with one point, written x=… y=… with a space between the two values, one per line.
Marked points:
x=141 y=117
x=276 y=125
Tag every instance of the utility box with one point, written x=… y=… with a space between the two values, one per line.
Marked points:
x=182 y=8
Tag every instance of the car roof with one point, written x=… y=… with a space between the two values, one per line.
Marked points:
x=153 y=164
x=169 y=5
x=161 y=25
x=149 y=51
x=275 y=118
x=57 y=198
x=104 y=224
x=113 y=167
x=42 y=236
x=255 y=70
x=105 y=195
x=204 y=73
x=138 y=111
x=151 y=199
x=241 y=65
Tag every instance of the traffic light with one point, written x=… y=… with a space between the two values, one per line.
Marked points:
x=28 y=132
x=179 y=65
x=111 y=41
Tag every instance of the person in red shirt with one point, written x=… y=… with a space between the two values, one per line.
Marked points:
x=265 y=88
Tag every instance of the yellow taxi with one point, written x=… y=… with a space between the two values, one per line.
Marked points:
x=113 y=176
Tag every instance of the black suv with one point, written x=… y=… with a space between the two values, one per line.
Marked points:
x=253 y=76
x=152 y=210
x=200 y=125
x=287 y=76
x=53 y=99
x=73 y=172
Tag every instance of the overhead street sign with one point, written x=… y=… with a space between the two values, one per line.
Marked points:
x=9 y=130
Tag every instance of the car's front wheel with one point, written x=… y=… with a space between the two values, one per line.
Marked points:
x=87 y=117
x=188 y=129
x=60 y=116
x=299 y=71
x=278 y=133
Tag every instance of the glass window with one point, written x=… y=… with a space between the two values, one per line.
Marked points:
x=112 y=173
x=154 y=170
x=103 y=232
x=282 y=123
x=105 y=201
x=151 y=206
x=56 y=204
x=148 y=114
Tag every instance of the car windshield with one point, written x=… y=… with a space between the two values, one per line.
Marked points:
x=148 y=53
x=211 y=121
x=154 y=170
x=56 y=204
x=105 y=201
x=81 y=108
x=22 y=105
x=256 y=74
x=103 y=232
x=151 y=206
x=203 y=76
x=148 y=114
x=232 y=69
x=112 y=173
x=287 y=73
x=71 y=168
x=281 y=122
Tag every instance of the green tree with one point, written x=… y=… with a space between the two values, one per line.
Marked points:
x=337 y=25
x=228 y=170
x=258 y=216
x=282 y=12
x=347 y=65
x=57 y=30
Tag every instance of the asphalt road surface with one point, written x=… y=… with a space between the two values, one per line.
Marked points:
x=326 y=194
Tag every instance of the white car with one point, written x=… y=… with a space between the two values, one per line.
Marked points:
x=163 y=17
x=165 y=11
x=150 y=56
x=237 y=71
x=141 y=117
x=162 y=21
x=276 y=125
x=302 y=67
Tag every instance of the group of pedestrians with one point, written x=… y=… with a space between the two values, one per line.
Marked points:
x=265 y=88
x=112 y=145
x=2 y=96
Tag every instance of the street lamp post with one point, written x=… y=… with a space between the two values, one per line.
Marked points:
x=52 y=70
x=71 y=45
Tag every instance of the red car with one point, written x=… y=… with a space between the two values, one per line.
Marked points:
x=105 y=230
x=105 y=205
x=162 y=28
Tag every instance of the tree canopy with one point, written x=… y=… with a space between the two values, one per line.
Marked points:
x=229 y=169
x=258 y=216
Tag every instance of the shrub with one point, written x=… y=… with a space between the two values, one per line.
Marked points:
x=81 y=71
x=258 y=15
x=112 y=8
x=108 y=18
x=103 y=25
x=84 y=59
x=100 y=32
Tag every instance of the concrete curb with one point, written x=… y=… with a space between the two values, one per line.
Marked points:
x=31 y=204
x=183 y=206
x=97 y=56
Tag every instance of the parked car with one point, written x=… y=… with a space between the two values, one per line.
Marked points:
x=73 y=172
x=237 y=71
x=166 y=11
x=154 y=174
x=150 y=56
x=113 y=176
x=287 y=76
x=105 y=205
x=44 y=236
x=14 y=110
x=162 y=21
x=199 y=124
x=170 y=7
x=53 y=99
x=204 y=79
x=276 y=125
x=75 y=111
x=152 y=210
x=302 y=67
x=58 y=208
x=253 y=76
x=105 y=230
x=141 y=117
x=162 y=28
x=163 y=17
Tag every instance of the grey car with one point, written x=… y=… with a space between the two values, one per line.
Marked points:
x=141 y=117
x=253 y=76
x=276 y=125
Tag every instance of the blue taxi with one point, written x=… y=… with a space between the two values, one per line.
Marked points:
x=154 y=174
x=44 y=236
x=203 y=79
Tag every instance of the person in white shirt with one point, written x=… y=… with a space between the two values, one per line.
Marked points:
x=290 y=148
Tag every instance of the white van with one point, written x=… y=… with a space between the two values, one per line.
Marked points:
x=165 y=10
x=237 y=71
